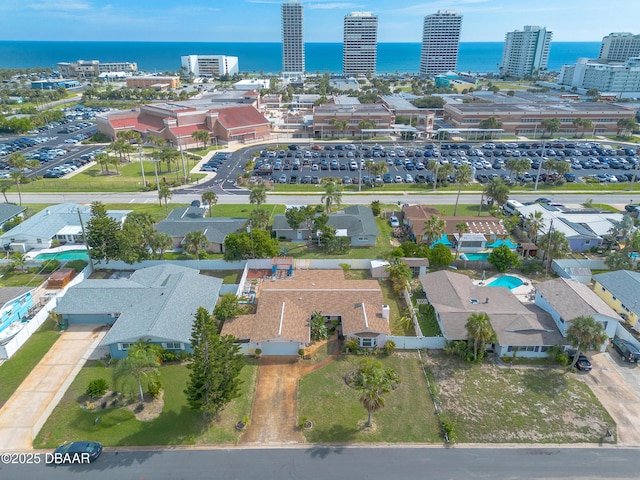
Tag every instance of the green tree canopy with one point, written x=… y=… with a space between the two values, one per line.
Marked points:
x=214 y=372
x=584 y=334
x=502 y=258
x=103 y=234
x=139 y=368
x=479 y=333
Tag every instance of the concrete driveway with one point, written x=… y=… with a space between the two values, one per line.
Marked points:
x=620 y=397
x=22 y=417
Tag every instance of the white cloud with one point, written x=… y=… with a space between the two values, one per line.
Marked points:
x=61 y=5
x=334 y=5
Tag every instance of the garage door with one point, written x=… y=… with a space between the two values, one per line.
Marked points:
x=279 y=348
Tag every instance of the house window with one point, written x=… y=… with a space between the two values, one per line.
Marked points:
x=172 y=346
x=587 y=242
x=125 y=346
x=362 y=239
x=39 y=240
x=544 y=349
x=367 y=342
x=614 y=297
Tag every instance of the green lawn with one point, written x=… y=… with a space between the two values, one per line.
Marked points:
x=19 y=279
x=177 y=424
x=16 y=369
x=337 y=415
x=491 y=404
x=396 y=308
x=427 y=320
x=229 y=277
x=94 y=180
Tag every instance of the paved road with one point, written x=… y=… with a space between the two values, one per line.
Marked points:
x=241 y=197
x=327 y=463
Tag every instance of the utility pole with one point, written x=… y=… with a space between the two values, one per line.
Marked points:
x=184 y=169
x=548 y=260
x=542 y=159
x=144 y=181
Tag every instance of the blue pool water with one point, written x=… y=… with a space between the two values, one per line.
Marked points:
x=65 y=255
x=474 y=257
x=506 y=281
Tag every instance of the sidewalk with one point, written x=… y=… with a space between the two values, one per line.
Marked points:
x=24 y=414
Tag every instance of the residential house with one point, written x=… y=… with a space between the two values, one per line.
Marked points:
x=57 y=223
x=521 y=329
x=181 y=221
x=356 y=222
x=9 y=211
x=281 y=323
x=565 y=300
x=584 y=228
x=620 y=290
x=482 y=231
x=155 y=305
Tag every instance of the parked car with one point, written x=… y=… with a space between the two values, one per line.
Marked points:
x=76 y=452
x=582 y=363
x=395 y=223
x=627 y=351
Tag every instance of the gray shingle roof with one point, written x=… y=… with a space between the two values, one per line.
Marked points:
x=572 y=299
x=49 y=221
x=7 y=294
x=157 y=302
x=9 y=210
x=625 y=285
x=215 y=229
x=356 y=220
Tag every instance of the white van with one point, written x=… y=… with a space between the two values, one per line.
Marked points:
x=512 y=206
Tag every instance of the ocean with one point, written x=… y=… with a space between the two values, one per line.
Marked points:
x=475 y=57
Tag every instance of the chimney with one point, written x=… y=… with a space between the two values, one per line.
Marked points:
x=385 y=311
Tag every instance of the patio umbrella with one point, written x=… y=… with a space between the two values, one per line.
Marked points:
x=483 y=275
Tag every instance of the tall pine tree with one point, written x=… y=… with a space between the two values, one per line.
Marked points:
x=214 y=378
x=103 y=233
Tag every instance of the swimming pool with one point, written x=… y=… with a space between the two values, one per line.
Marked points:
x=64 y=255
x=506 y=281
x=475 y=257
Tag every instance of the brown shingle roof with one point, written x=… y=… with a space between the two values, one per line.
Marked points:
x=284 y=307
x=451 y=295
x=240 y=117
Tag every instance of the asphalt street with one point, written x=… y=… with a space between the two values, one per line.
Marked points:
x=339 y=462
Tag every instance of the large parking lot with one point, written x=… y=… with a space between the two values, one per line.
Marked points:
x=56 y=147
x=308 y=164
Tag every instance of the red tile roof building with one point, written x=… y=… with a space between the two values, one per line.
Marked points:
x=175 y=123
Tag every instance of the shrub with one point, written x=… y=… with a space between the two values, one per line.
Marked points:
x=97 y=388
x=389 y=347
x=77 y=265
x=154 y=388
x=530 y=266
x=352 y=345
x=258 y=351
x=183 y=356
x=168 y=356
x=376 y=208
x=301 y=352
x=448 y=428
x=50 y=266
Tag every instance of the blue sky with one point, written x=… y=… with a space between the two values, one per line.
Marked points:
x=259 y=20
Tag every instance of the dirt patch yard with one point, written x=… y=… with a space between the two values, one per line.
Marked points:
x=495 y=404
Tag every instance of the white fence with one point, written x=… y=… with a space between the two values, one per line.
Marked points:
x=413 y=343
x=414 y=315
x=622 y=333
x=196 y=264
x=11 y=347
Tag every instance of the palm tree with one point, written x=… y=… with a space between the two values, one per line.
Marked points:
x=479 y=331
x=195 y=241
x=555 y=244
x=496 y=191
x=433 y=167
x=551 y=125
x=258 y=195
x=491 y=123
x=159 y=242
x=17 y=177
x=201 y=136
x=5 y=185
x=209 y=197
x=19 y=162
x=375 y=381
x=332 y=196
x=104 y=160
x=626 y=126
x=534 y=224
x=140 y=365
x=461 y=228
x=164 y=193
x=433 y=228
x=19 y=261
x=462 y=177
x=341 y=125
x=318 y=326
x=585 y=333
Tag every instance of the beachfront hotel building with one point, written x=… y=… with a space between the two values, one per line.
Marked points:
x=210 y=66
x=440 y=42
x=618 y=79
x=360 y=48
x=292 y=39
x=619 y=47
x=93 y=68
x=526 y=118
x=526 y=51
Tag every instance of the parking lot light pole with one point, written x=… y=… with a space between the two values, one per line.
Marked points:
x=542 y=159
x=144 y=181
x=635 y=171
